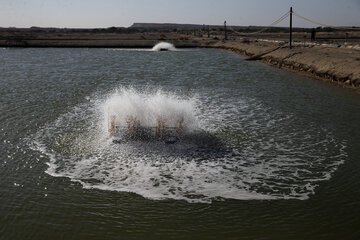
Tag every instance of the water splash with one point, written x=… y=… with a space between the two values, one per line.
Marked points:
x=239 y=150
x=148 y=108
x=164 y=46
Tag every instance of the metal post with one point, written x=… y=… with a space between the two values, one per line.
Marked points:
x=291 y=12
x=346 y=37
x=225 y=30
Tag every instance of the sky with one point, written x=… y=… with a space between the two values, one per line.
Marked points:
x=123 y=13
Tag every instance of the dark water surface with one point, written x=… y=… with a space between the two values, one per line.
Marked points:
x=267 y=154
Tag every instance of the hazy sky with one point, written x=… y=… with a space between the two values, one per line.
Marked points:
x=122 y=13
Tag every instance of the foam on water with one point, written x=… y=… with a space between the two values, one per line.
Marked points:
x=164 y=46
x=238 y=150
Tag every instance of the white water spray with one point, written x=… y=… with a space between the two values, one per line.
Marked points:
x=164 y=46
x=148 y=108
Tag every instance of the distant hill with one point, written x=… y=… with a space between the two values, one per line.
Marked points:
x=171 y=26
x=178 y=26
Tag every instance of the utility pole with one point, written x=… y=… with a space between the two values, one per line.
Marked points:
x=208 y=31
x=346 y=37
x=225 y=30
x=291 y=12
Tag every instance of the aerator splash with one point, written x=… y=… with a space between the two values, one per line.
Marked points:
x=134 y=130
x=148 y=117
x=164 y=46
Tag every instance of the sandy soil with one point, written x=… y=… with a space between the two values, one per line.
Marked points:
x=329 y=62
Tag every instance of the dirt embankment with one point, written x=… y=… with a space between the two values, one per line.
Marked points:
x=329 y=62
x=88 y=39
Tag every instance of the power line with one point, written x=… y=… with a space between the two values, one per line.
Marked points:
x=279 y=20
x=312 y=21
x=264 y=29
x=321 y=24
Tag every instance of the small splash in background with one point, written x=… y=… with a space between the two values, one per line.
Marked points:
x=164 y=46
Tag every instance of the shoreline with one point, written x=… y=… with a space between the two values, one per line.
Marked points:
x=91 y=43
x=336 y=65
x=332 y=63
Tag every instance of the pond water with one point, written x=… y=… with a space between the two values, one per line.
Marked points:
x=265 y=154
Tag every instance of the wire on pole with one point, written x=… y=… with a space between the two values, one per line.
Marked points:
x=268 y=27
x=312 y=21
x=288 y=13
